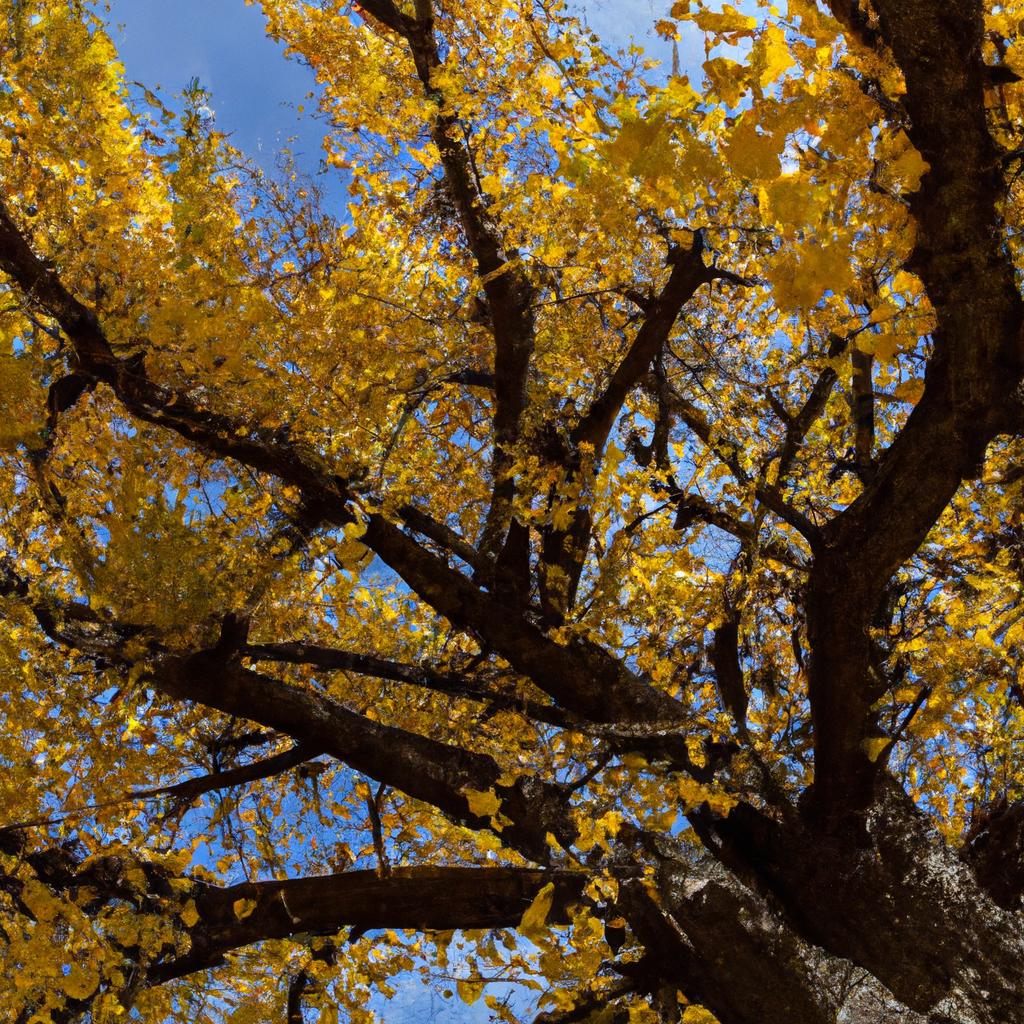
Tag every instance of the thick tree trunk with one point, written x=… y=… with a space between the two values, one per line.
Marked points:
x=719 y=943
x=888 y=893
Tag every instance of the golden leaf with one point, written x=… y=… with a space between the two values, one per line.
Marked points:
x=752 y=154
x=536 y=914
x=243 y=908
x=190 y=915
x=482 y=803
x=470 y=989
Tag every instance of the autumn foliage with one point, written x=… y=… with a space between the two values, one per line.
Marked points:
x=567 y=550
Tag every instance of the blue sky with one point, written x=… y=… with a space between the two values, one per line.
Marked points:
x=256 y=91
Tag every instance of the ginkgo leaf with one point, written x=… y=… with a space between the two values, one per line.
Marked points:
x=771 y=55
x=698 y=1015
x=875 y=746
x=190 y=914
x=536 y=914
x=727 y=22
x=909 y=167
x=909 y=391
x=482 y=803
x=799 y=280
x=727 y=78
x=379 y=536
x=885 y=345
x=792 y=201
x=81 y=981
x=753 y=154
x=243 y=908
x=40 y=901
x=469 y=989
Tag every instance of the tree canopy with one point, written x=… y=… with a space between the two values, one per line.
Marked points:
x=568 y=549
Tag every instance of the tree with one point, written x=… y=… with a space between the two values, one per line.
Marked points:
x=586 y=518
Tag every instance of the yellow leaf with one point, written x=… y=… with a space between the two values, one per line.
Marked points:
x=613 y=457
x=909 y=166
x=909 y=391
x=885 y=346
x=727 y=78
x=561 y=516
x=536 y=915
x=564 y=1001
x=792 y=201
x=243 y=908
x=874 y=746
x=698 y=1015
x=469 y=989
x=491 y=184
x=751 y=154
x=811 y=22
x=727 y=22
x=642 y=147
x=885 y=310
x=81 y=981
x=40 y=901
x=907 y=283
x=190 y=915
x=791 y=288
x=773 y=56
x=800 y=279
x=482 y=803
x=549 y=80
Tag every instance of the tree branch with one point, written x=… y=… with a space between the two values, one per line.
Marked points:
x=728 y=451
x=725 y=656
x=424 y=768
x=300 y=653
x=971 y=382
x=814 y=405
x=581 y=676
x=564 y=551
x=420 y=898
x=863 y=413
x=588 y=680
x=510 y=294
x=191 y=789
x=442 y=535
x=688 y=273
x=261 y=448
x=691 y=507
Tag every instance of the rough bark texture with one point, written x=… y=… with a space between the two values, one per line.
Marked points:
x=890 y=895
